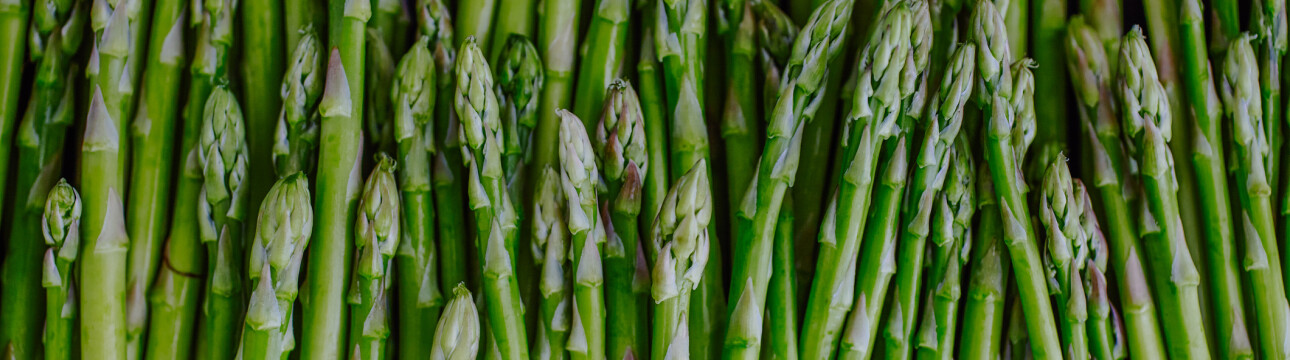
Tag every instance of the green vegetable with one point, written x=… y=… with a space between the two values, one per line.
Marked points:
x=13 y=25
x=61 y=225
x=952 y=243
x=377 y=233
x=620 y=144
x=655 y=185
x=457 y=335
x=263 y=64
x=103 y=266
x=222 y=155
x=679 y=250
x=277 y=253
x=987 y=289
x=513 y=18
x=603 y=53
x=550 y=252
x=378 y=113
x=296 y=148
x=578 y=178
x=1066 y=255
x=1105 y=328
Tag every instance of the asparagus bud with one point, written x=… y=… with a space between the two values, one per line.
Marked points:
x=297 y=131
x=457 y=335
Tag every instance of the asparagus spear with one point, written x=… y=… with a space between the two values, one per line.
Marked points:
x=741 y=117
x=457 y=335
x=264 y=55
x=390 y=23
x=103 y=268
x=513 y=18
x=1066 y=255
x=550 y=249
x=476 y=21
x=558 y=46
x=818 y=43
x=953 y=242
x=987 y=293
x=1268 y=23
x=419 y=297
x=56 y=32
x=679 y=251
x=1224 y=276
x=222 y=155
x=519 y=82
x=378 y=113
x=118 y=31
x=603 y=53
x=339 y=161
x=61 y=227
x=620 y=144
x=377 y=232
x=1016 y=17
x=781 y=297
x=878 y=263
x=654 y=187
x=297 y=132
x=13 y=25
x=277 y=252
x=1114 y=181
x=1106 y=333
x=1251 y=169
x=578 y=179
x=1147 y=121
x=1048 y=26
x=153 y=134
x=495 y=218
x=299 y=16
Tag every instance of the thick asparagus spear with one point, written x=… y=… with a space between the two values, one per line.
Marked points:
x=339 y=164
x=495 y=218
x=1052 y=90
x=298 y=16
x=285 y=224
x=296 y=148
x=1066 y=255
x=1252 y=152
x=61 y=226
x=741 y=116
x=13 y=25
x=550 y=250
x=558 y=46
x=103 y=266
x=222 y=155
x=1268 y=23
x=655 y=183
x=620 y=144
x=603 y=53
x=1115 y=184
x=264 y=55
x=476 y=21
x=513 y=18
x=818 y=43
x=457 y=335
x=679 y=250
x=419 y=297
x=952 y=239
x=377 y=233
x=578 y=179
x=1147 y=122
x=57 y=28
x=118 y=45
x=1106 y=334
x=987 y=292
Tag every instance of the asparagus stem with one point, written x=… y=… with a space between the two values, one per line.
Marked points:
x=277 y=252
x=603 y=54
x=987 y=294
x=741 y=118
x=378 y=113
x=300 y=15
x=296 y=148
x=655 y=185
x=476 y=21
x=103 y=268
x=781 y=299
x=550 y=250
x=955 y=207
x=1066 y=255
x=1106 y=332
x=61 y=226
x=514 y=17
x=13 y=25
x=377 y=233
x=1147 y=122
x=1114 y=181
x=222 y=155
x=679 y=250
x=558 y=46
x=621 y=143
x=1253 y=158
x=264 y=55
x=420 y=297
x=578 y=179
x=1051 y=86
x=457 y=335
x=1268 y=23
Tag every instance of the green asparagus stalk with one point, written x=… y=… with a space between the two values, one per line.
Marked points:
x=298 y=16
x=110 y=69
x=338 y=178
x=103 y=268
x=457 y=335
x=932 y=163
x=1115 y=186
x=1253 y=157
x=495 y=218
x=477 y=21
x=1105 y=328
x=378 y=111
x=679 y=251
x=447 y=172
x=1147 y=121
x=1048 y=26
x=578 y=178
x=603 y=53
x=1268 y=23
x=55 y=34
x=655 y=185
x=222 y=155
x=377 y=233
x=550 y=249
x=150 y=185
x=296 y=147
x=818 y=43
x=987 y=289
x=877 y=265
x=264 y=54
x=419 y=297
x=781 y=297
x=390 y=24
x=953 y=242
x=277 y=252
x=1017 y=341
x=621 y=145
x=514 y=17
x=741 y=117
x=1066 y=256
x=519 y=80
x=1224 y=276
x=558 y=46
x=13 y=25
x=1016 y=17
x=61 y=226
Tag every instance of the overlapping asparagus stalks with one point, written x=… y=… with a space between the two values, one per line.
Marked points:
x=221 y=211
x=1065 y=256
x=550 y=250
x=61 y=226
x=679 y=250
x=952 y=240
x=284 y=226
x=578 y=180
x=620 y=144
x=377 y=233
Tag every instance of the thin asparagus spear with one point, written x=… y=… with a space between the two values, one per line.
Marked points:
x=578 y=179
x=378 y=112
x=550 y=249
x=476 y=21
x=277 y=252
x=1114 y=181
x=61 y=227
x=1016 y=17
x=953 y=242
x=376 y=236
x=1066 y=255
x=1251 y=169
x=679 y=249
x=495 y=218
x=621 y=145
x=296 y=148
x=741 y=117
x=457 y=335
x=446 y=170
x=57 y=28
x=387 y=16
x=878 y=262
x=298 y=16
x=781 y=298
x=1224 y=276
x=603 y=53
x=1017 y=341
x=103 y=268
x=1225 y=25
x=264 y=55
x=153 y=134
x=519 y=85
x=1147 y=121
x=339 y=164
x=1105 y=329
x=818 y=43
x=1268 y=23
x=221 y=211
x=13 y=25
x=513 y=18
x=558 y=46
x=987 y=292
x=419 y=295
x=117 y=52
x=655 y=185
x=1048 y=29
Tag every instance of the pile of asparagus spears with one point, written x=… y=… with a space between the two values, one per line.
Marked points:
x=643 y=179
